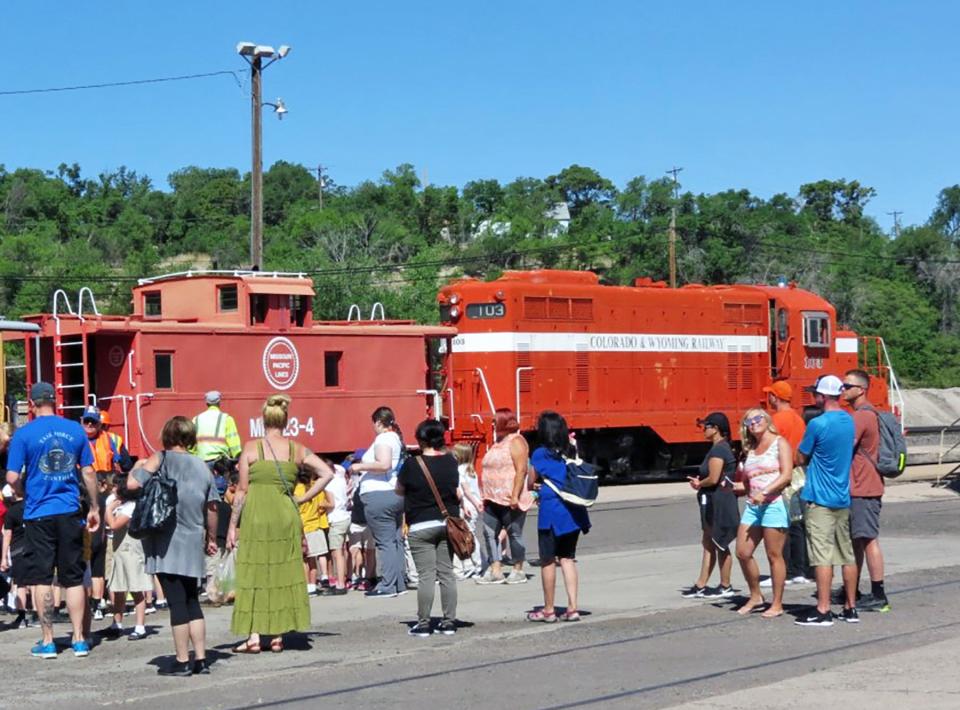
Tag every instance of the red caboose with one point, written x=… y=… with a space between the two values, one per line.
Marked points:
x=247 y=334
x=632 y=367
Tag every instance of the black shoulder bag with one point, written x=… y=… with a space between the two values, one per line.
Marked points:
x=156 y=508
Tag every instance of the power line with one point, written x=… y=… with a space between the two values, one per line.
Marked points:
x=111 y=84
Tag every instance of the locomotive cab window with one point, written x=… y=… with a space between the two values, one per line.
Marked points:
x=486 y=310
x=152 y=304
x=816 y=329
x=227 y=298
x=782 y=320
x=163 y=371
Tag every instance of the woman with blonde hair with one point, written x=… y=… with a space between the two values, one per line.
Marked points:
x=767 y=470
x=271 y=594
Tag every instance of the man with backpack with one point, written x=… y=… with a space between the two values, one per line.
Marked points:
x=866 y=488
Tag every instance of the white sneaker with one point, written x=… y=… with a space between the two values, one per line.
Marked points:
x=800 y=580
x=489 y=579
x=516 y=578
x=766 y=582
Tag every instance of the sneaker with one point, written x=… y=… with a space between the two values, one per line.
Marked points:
x=151 y=608
x=718 y=592
x=162 y=604
x=421 y=630
x=98 y=614
x=380 y=594
x=200 y=667
x=44 y=650
x=799 y=579
x=850 y=615
x=871 y=603
x=839 y=596
x=490 y=579
x=177 y=669
x=333 y=592
x=815 y=618
x=516 y=578
x=767 y=582
x=136 y=635
x=448 y=628
x=81 y=649
x=693 y=592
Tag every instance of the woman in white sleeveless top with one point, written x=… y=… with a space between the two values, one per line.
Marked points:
x=766 y=471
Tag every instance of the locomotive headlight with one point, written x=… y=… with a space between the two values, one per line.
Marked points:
x=499 y=296
x=454 y=312
x=454 y=300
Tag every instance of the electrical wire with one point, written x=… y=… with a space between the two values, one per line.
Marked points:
x=111 y=84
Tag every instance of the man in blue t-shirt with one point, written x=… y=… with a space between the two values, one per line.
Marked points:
x=827 y=450
x=45 y=461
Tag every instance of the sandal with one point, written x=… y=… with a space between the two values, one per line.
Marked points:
x=540 y=615
x=570 y=615
x=247 y=648
x=276 y=644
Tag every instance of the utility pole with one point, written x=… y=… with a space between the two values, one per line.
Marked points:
x=896 y=223
x=673 y=227
x=256 y=171
x=320 y=184
x=254 y=54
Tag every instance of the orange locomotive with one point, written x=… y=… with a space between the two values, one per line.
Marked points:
x=632 y=367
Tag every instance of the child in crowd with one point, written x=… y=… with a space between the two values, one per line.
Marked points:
x=11 y=561
x=363 y=556
x=339 y=520
x=324 y=506
x=310 y=516
x=127 y=575
x=224 y=483
x=472 y=508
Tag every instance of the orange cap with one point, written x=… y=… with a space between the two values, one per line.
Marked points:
x=104 y=418
x=781 y=389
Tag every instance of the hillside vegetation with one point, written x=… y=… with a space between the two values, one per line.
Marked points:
x=394 y=240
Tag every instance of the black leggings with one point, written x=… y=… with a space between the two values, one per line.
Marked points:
x=183 y=596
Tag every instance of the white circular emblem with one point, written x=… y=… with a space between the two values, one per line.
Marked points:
x=281 y=364
x=116 y=356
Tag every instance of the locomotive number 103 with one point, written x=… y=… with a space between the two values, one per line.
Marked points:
x=486 y=310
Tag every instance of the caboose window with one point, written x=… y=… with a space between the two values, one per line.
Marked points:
x=163 y=371
x=816 y=329
x=151 y=304
x=486 y=310
x=228 y=298
x=258 y=309
x=299 y=305
x=331 y=368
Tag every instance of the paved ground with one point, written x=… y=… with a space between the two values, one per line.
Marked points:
x=640 y=646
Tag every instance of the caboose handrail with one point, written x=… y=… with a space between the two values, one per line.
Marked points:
x=354 y=307
x=66 y=301
x=373 y=311
x=93 y=303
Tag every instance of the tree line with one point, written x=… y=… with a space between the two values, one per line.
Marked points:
x=395 y=240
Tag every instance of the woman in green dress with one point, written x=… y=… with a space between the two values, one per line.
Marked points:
x=271 y=590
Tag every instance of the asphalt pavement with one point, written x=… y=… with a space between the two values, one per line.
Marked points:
x=640 y=644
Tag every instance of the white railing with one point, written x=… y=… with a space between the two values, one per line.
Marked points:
x=235 y=273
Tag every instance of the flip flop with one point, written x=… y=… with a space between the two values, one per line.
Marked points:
x=539 y=615
x=247 y=648
x=276 y=645
x=570 y=615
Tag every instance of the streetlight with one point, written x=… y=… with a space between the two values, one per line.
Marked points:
x=255 y=54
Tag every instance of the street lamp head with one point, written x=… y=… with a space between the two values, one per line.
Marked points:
x=283 y=51
x=263 y=50
x=280 y=109
x=245 y=48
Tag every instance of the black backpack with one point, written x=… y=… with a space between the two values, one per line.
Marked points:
x=156 y=508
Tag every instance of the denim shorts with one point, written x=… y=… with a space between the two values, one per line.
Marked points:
x=768 y=515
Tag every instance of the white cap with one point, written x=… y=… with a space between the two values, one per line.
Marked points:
x=830 y=385
x=212 y=397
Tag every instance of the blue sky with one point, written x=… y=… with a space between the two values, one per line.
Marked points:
x=756 y=95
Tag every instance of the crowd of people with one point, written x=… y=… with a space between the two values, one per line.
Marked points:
x=266 y=524
x=813 y=493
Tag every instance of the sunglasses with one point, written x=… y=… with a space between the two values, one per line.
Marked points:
x=753 y=421
x=847 y=386
x=90 y=422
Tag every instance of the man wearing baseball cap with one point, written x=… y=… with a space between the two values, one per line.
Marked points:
x=217 y=435
x=43 y=459
x=827 y=451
